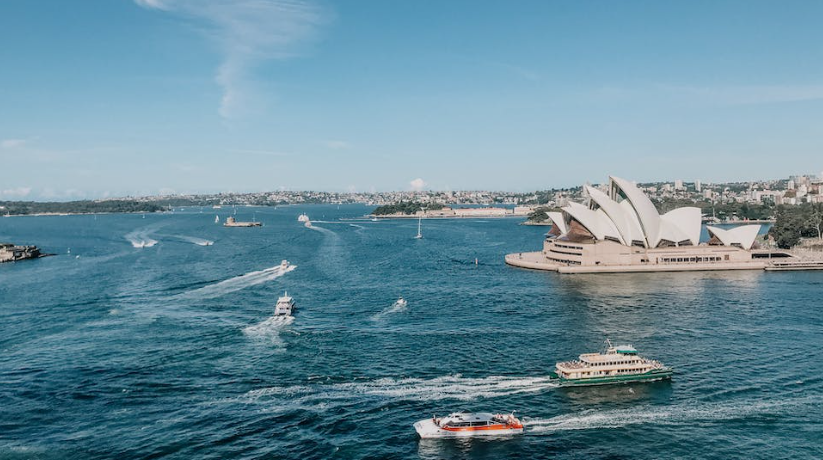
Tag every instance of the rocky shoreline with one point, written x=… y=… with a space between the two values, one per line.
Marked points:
x=12 y=253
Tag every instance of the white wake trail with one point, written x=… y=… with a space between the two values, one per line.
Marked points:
x=451 y=387
x=394 y=308
x=667 y=415
x=140 y=239
x=197 y=241
x=237 y=283
x=269 y=330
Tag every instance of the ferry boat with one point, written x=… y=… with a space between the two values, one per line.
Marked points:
x=467 y=424
x=616 y=364
x=285 y=305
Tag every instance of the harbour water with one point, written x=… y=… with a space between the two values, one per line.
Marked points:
x=147 y=342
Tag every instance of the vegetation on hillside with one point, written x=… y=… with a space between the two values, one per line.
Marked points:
x=76 y=207
x=540 y=215
x=723 y=211
x=405 y=207
x=794 y=222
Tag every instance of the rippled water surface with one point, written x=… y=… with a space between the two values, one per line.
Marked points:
x=154 y=344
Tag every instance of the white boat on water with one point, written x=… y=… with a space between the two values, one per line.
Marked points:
x=468 y=424
x=284 y=264
x=216 y=219
x=303 y=218
x=419 y=228
x=285 y=305
x=401 y=303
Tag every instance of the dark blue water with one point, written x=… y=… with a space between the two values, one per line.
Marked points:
x=167 y=352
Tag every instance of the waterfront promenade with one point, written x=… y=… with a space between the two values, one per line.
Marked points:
x=538 y=261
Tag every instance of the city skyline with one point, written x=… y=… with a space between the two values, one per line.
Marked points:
x=174 y=96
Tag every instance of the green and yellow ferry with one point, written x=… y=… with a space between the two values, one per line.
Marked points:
x=620 y=364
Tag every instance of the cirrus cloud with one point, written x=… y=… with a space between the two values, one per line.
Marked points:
x=247 y=33
x=12 y=143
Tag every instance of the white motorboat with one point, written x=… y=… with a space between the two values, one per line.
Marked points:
x=303 y=217
x=284 y=264
x=467 y=424
x=285 y=305
x=401 y=303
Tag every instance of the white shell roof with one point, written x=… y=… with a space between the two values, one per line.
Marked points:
x=558 y=220
x=596 y=222
x=632 y=219
x=743 y=235
x=644 y=208
x=622 y=217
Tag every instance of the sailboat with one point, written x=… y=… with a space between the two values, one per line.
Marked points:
x=419 y=228
x=216 y=219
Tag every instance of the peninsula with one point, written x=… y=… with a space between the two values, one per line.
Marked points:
x=12 y=253
x=620 y=230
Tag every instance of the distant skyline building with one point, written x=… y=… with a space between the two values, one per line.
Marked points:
x=698 y=187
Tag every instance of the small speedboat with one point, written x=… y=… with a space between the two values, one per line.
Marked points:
x=284 y=264
x=400 y=303
x=303 y=217
x=466 y=424
x=285 y=306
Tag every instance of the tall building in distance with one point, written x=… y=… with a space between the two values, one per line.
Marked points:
x=698 y=187
x=678 y=184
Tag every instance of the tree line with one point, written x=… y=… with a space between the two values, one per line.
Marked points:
x=405 y=207
x=17 y=208
x=796 y=222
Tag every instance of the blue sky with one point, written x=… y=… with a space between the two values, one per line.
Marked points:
x=117 y=97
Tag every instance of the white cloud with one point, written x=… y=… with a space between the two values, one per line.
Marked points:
x=12 y=143
x=417 y=184
x=268 y=153
x=749 y=94
x=19 y=192
x=336 y=144
x=151 y=4
x=247 y=33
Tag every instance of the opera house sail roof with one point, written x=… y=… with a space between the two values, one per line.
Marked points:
x=627 y=216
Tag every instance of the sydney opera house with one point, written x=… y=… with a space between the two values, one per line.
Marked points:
x=621 y=231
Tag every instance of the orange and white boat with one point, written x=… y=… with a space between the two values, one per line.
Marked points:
x=466 y=424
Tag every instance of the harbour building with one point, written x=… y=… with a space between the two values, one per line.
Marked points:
x=621 y=231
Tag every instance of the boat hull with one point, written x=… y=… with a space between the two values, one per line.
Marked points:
x=427 y=430
x=652 y=376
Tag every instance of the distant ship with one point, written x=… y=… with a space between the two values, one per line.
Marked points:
x=232 y=222
x=468 y=424
x=620 y=364
x=285 y=305
x=216 y=219
x=303 y=218
x=419 y=228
